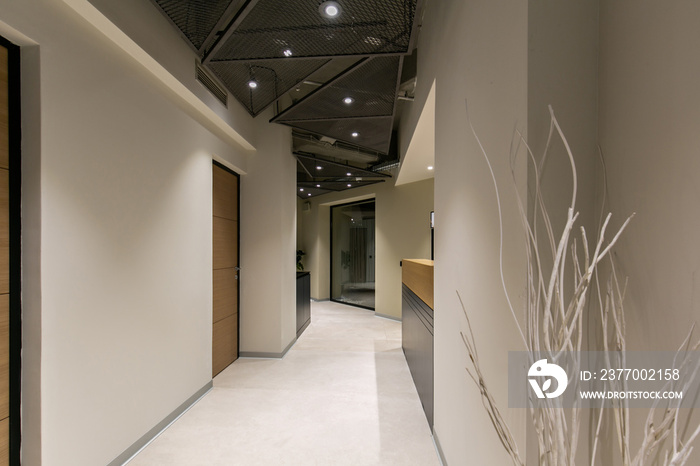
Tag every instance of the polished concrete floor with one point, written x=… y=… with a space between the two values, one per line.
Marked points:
x=343 y=395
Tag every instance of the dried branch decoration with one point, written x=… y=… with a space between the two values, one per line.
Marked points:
x=557 y=300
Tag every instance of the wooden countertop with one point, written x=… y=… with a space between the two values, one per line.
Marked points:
x=417 y=275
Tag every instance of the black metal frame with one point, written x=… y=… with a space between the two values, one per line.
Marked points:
x=15 y=211
x=238 y=253
x=245 y=10
x=330 y=277
x=220 y=26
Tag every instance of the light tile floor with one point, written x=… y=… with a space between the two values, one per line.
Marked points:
x=343 y=395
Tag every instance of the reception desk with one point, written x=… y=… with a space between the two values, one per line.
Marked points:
x=417 y=327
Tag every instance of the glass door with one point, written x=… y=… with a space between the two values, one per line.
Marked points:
x=352 y=254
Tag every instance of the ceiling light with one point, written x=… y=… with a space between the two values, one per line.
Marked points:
x=329 y=9
x=287 y=53
x=318 y=167
x=252 y=84
x=355 y=134
x=430 y=167
x=301 y=189
x=349 y=174
x=309 y=194
x=349 y=185
x=318 y=185
x=348 y=100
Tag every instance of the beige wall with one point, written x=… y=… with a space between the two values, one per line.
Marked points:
x=267 y=209
x=474 y=50
x=268 y=244
x=117 y=208
x=482 y=57
x=144 y=24
x=649 y=114
x=402 y=231
x=563 y=73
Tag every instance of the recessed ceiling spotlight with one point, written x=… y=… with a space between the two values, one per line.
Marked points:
x=309 y=194
x=252 y=84
x=349 y=185
x=318 y=167
x=301 y=189
x=329 y=9
x=287 y=53
x=355 y=134
x=349 y=174
x=430 y=167
x=318 y=185
x=348 y=100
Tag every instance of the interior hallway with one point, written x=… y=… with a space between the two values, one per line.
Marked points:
x=343 y=395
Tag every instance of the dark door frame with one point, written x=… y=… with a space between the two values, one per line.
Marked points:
x=15 y=210
x=330 y=278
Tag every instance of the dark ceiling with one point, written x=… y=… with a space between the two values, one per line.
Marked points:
x=333 y=78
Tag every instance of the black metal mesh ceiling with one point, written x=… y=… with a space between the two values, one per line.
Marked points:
x=308 y=193
x=373 y=133
x=322 y=169
x=273 y=78
x=369 y=86
x=195 y=18
x=280 y=43
x=306 y=190
x=362 y=27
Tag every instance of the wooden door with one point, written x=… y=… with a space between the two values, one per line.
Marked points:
x=4 y=258
x=225 y=260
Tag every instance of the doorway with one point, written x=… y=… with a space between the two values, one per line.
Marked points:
x=225 y=187
x=353 y=253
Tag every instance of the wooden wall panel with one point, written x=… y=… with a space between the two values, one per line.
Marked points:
x=4 y=356
x=4 y=232
x=225 y=261
x=5 y=442
x=4 y=111
x=225 y=294
x=224 y=348
x=225 y=202
x=225 y=243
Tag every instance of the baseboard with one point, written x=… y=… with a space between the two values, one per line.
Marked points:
x=303 y=327
x=265 y=355
x=152 y=434
x=438 y=448
x=387 y=316
x=320 y=300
